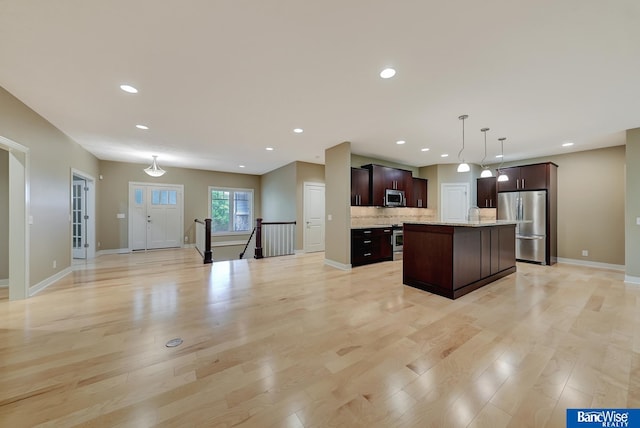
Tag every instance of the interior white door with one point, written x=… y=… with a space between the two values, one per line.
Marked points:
x=155 y=216
x=79 y=217
x=454 y=202
x=313 y=217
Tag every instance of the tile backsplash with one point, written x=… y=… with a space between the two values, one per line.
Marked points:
x=367 y=216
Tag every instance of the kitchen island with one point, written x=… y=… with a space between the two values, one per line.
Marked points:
x=453 y=259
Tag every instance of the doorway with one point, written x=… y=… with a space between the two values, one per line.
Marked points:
x=155 y=216
x=18 y=210
x=454 y=202
x=83 y=224
x=314 y=226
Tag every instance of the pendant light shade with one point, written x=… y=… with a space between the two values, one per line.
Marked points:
x=486 y=172
x=502 y=176
x=154 y=170
x=463 y=167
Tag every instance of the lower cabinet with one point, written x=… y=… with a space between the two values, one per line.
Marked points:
x=371 y=245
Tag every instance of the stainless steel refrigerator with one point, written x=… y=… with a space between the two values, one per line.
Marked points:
x=530 y=209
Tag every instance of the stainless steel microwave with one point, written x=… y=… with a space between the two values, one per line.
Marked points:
x=394 y=198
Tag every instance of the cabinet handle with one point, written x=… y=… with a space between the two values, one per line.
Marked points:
x=523 y=183
x=366 y=254
x=367 y=231
x=367 y=242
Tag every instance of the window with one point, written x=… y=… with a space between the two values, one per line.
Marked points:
x=231 y=210
x=164 y=197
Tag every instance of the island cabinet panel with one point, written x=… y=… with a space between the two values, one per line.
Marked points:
x=454 y=260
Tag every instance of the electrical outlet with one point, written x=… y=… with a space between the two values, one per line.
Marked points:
x=585 y=253
x=99 y=244
x=186 y=239
x=55 y=263
x=638 y=221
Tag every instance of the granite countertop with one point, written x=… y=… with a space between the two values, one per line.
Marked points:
x=474 y=223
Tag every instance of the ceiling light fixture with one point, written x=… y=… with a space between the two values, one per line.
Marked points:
x=298 y=130
x=145 y=127
x=387 y=73
x=426 y=149
x=502 y=176
x=154 y=170
x=269 y=149
x=240 y=166
x=128 y=88
x=400 y=142
x=463 y=167
x=486 y=172
x=567 y=144
x=444 y=155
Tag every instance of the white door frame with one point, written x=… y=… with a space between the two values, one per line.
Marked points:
x=133 y=184
x=91 y=212
x=443 y=192
x=18 y=218
x=304 y=212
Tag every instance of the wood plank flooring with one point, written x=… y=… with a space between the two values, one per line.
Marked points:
x=289 y=342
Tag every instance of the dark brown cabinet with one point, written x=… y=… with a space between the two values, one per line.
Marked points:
x=487 y=195
x=419 y=194
x=384 y=177
x=528 y=177
x=371 y=245
x=360 y=187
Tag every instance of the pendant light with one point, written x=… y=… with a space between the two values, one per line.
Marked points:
x=502 y=176
x=486 y=172
x=154 y=170
x=463 y=167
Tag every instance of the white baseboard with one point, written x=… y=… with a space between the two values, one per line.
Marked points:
x=591 y=264
x=632 y=279
x=114 y=251
x=337 y=265
x=4 y=282
x=35 y=289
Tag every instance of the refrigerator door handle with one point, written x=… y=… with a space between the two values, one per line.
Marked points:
x=530 y=238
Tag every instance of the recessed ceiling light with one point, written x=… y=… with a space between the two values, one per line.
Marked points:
x=444 y=155
x=400 y=142
x=298 y=130
x=129 y=88
x=426 y=149
x=270 y=149
x=567 y=144
x=142 y=127
x=498 y=156
x=240 y=166
x=387 y=73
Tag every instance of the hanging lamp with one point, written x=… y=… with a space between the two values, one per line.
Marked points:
x=502 y=176
x=486 y=172
x=154 y=170
x=463 y=167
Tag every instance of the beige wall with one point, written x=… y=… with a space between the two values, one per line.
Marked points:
x=311 y=173
x=338 y=204
x=52 y=155
x=4 y=214
x=358 y=160
x=591 y=203
x=632 y=185
x=114 y=196
x=279 y=194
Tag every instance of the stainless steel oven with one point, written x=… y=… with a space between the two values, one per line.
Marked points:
x=397 y=239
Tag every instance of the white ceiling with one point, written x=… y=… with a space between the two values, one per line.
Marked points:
x=221 y=80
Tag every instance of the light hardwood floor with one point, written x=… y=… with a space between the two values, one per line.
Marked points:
x=289 y=342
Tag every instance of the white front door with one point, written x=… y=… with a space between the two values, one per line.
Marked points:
x=454 y=202
x=155 y=216
x=313 y=217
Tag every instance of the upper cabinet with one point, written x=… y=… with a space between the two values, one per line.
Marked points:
x=528 y=177
x=360 y=187
x=486 y=192
x=384 y=177
x=419 y=194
